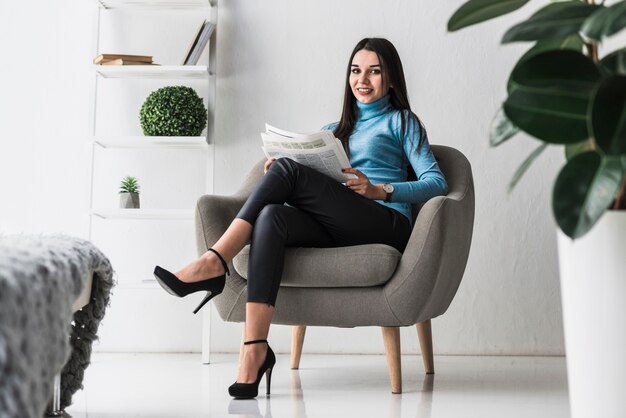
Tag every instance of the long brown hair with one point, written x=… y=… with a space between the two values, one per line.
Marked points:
x=393 y=76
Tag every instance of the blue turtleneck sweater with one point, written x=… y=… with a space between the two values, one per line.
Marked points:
x=377 y=149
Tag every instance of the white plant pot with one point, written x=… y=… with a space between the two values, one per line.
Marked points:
x=129 y=200
x=593 y=291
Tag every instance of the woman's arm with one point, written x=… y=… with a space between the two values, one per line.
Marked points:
x=430 y=180
x=362 y=185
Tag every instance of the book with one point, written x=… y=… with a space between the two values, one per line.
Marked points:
x=193 y=44
x=319 y=150
x=121 y=61
x=199 y=43
x=142 y=58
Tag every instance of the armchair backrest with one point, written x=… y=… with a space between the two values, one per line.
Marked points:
x=456 y=170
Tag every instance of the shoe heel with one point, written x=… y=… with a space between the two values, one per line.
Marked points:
x=207 y=298
x=268 y=381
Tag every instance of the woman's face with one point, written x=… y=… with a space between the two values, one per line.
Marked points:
x=366 y=77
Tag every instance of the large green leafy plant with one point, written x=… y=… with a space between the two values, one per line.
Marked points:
x=561 y=92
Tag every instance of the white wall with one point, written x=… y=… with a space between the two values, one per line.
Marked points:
x=44 y=93
x=283 y=62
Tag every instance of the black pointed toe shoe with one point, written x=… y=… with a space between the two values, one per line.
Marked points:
x=173 y=285
x=251 y=390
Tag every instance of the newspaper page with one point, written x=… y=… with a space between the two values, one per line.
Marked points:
x=320 y=150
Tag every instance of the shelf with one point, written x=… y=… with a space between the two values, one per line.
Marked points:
x=161 y=142
x=154 y=4
x=147 y=214
x=153 y=71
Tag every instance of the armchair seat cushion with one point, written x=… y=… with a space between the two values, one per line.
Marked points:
x=356 y=266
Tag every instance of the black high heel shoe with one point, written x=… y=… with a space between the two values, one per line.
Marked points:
x=176 y=287
x=251 y=390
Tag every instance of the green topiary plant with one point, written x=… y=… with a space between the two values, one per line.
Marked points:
x=129 y=184
x=173 y=111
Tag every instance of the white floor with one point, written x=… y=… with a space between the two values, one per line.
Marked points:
x=178 y=385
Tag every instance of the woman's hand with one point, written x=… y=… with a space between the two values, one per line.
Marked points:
x=362 y=185
x=267 y=165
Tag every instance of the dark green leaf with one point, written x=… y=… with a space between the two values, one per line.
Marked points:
x=578 y=148
x=556 y=20
x=524 y=167
x=605 y=21
x=614 y=63
x=551 y=116
x=608 y=115
x=572 y=42
x=583 y=191
x=558 y=68
x=501 y=129
x=551 y=94
x=476 y=11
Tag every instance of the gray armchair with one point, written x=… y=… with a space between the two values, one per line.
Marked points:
x=366 y=285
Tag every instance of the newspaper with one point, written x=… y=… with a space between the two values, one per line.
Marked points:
x=320 y=150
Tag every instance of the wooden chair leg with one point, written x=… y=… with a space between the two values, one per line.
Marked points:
x=425 y=335
x=391 y=337
x=297 y=341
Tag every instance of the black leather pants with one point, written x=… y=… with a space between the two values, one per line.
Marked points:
x=320 y=212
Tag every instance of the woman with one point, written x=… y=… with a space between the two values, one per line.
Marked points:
x=384 y=140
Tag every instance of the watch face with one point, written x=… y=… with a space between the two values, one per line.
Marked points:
x=388 y=188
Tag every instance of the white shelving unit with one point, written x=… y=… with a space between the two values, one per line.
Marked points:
x=153 y=71
x=103 y=143
x=154 y=214
x=161 y=142
x=155 y=4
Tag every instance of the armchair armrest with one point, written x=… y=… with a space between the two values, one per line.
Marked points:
x=432 y=265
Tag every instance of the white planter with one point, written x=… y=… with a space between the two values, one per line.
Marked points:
x=593 y=291
x=129 y=200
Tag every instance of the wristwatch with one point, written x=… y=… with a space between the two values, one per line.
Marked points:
x=388 y=188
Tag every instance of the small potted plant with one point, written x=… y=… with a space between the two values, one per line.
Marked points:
x=129 y=193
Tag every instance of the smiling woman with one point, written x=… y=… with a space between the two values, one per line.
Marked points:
x=387 y=141
x=366 y=77
x=375 y=72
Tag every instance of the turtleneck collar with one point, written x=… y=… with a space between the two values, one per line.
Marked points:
x=371 y=110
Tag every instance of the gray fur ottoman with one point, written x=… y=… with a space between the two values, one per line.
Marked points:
x=41 y=278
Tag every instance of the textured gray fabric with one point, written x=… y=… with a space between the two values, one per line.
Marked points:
x=432 y=265
x=356 y=266
x=40 y=278
x=422 y=286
